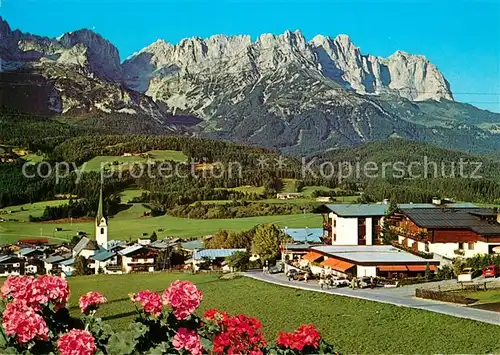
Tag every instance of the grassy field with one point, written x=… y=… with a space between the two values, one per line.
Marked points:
x=22 y=212
x=130 y=224
x=96 y=163
x=352 y=325
x=129 y=194
x=483 y=297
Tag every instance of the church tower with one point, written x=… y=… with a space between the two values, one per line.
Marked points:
x=101 y=225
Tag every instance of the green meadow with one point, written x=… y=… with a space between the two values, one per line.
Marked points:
x=354 y=326
x=96 y=163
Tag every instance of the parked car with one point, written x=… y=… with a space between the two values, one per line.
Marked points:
x=300 y=275
x=364 y=282
x=340 y=282
x=465 y=275
x=276 y=269
x=491 y=271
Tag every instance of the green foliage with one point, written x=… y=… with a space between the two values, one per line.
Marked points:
x=299 y=185
x=265 y=242
x=237 y=209
x=445 y=272
x=224 y=239
x=80 y=266
x=238 y=261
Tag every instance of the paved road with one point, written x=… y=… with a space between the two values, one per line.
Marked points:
x=401 y=296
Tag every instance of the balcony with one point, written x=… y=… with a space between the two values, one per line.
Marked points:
x=403 y=232
x=114 y=267
x=413 y=251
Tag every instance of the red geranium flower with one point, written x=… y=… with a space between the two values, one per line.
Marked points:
x=90 y=301
x=150 y=301
x=183 y=297
x=23 y=322
x=76 y=342
x=187 y=339
x=304 y=336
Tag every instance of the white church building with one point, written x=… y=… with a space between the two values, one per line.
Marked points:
x=110 y=257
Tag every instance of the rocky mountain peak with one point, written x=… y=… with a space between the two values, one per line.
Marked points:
x=103 y=57
x=338 y=59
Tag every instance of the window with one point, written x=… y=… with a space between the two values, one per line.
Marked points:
x=102 y=230
x=460 y=245
x=470 y=246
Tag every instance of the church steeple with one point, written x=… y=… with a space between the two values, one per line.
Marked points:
x=100 y=209
x=101 y=225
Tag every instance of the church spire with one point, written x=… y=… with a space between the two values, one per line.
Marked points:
x=100 y=213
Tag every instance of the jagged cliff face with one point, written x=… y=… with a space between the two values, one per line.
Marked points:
x=76 y=74
x=280 y=92
x=337 y=60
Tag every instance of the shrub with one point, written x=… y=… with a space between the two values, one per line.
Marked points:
x=453 y=297
x=36 y=321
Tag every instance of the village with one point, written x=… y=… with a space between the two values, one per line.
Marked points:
x=352 y=243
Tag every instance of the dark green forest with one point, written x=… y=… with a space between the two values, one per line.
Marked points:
x=478 y=181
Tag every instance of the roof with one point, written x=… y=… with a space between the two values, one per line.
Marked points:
x=302 y=246
x=215 y=253
x=131 y=249
x=163 y=244
x=380 y=209
x=28 y=251
x=193 y=244
x=336 y=264
x=354 y=209
x=115 y=243
x=84 y=243
x=371 y=254
x=68 y=262
x=310 y=235
x=5 y=258
x=312 y=256
x=56 y=258
x=479 y=220
x=102 y=255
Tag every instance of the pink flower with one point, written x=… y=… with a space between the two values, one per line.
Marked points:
x=187 y=339
x=91 y=300
x=22 y=321
x=150 y=301
x=76 y=342
x=50 y=289
x=16 y=287
x=183 y=297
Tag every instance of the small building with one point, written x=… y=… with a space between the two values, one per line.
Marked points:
x=323 y=199
x=288 y=195
x=137 y=258
x=369 y=260
x=52 y=263
x=215 y=257
x=107 y=262
x=86 y=247
x=11 y=265
x=353 y=224
x=305 y=235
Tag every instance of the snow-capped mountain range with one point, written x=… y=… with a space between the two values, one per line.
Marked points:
x=280 y=91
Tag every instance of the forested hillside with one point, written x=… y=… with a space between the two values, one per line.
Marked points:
x=407 y=171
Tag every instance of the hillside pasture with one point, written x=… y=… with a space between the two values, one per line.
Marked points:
x=96 y=163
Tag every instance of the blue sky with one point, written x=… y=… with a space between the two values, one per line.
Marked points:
x=461 y=37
